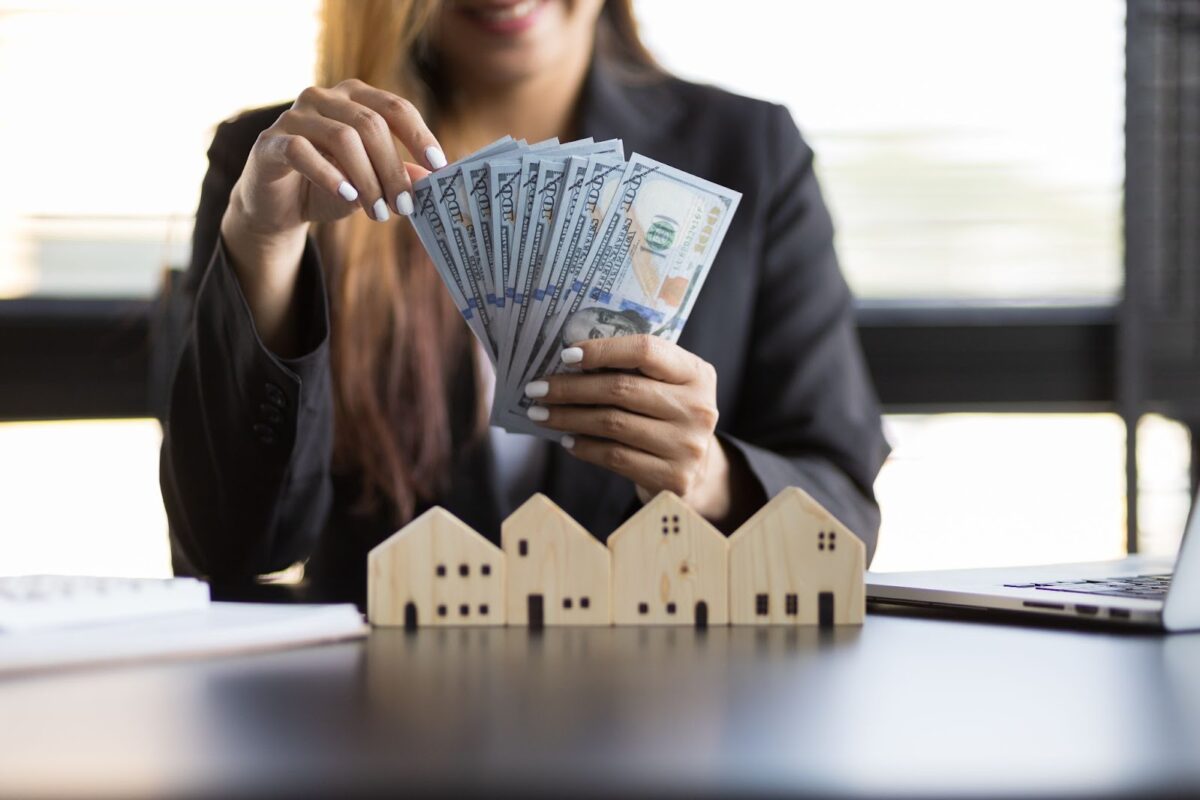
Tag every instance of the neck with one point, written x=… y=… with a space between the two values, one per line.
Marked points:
x=538 y=107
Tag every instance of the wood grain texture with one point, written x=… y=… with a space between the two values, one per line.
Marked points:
x=666 y=559
x=451 y=574
x=794 y=546
x=551 y=555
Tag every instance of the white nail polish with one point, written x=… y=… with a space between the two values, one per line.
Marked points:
x=404 y=204
x=572 y=355
x=537 y=389
x=539 y=414
x=348 y=192
x=380 y=210
x=568 y=442
x=435 y=156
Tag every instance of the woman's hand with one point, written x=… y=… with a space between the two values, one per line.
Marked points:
x=332 y=153
x=655 y=426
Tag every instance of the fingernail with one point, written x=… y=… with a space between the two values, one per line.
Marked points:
x=539 y=414
x=348 y=192
x=537 y=389
x=568 y=442
x=404 y=204
x=435 y=156
x=572 y=355
x=380 y=210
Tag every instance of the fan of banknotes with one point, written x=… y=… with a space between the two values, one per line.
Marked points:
x=548 y=244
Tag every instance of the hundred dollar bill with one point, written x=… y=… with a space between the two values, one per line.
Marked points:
x=450 y=196
x=526 y=198
x=528 y=187
x=479 y=201
x=588 y=198
x=433 y=229
x=546 y=193
x=548 y=211
x=502 y=177
x=643 y=272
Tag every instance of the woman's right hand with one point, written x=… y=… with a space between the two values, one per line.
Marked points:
x=329 y=155
x=332 y=153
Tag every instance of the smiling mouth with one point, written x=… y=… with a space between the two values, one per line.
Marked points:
x=501 y=13
x=504 y=13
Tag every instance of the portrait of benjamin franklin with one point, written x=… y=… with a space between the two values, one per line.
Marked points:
x=600 y=323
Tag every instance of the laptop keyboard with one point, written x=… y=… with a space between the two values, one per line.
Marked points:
x=1144 y=587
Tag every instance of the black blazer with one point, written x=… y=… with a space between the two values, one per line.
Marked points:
x=245 y=463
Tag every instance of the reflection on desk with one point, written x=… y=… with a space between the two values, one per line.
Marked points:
x=901 y=707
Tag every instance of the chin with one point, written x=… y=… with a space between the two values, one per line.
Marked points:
x=507 y=40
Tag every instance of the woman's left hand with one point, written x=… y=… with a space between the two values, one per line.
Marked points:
x=655 y=426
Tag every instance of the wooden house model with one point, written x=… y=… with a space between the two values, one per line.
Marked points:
x=558 y=573
x=669 y=566
x=794 y=563
x=436 y=570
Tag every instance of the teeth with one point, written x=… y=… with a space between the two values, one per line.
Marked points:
x=506 y=13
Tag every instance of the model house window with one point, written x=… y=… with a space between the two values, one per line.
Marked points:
x=793 y=605
x=760 y=605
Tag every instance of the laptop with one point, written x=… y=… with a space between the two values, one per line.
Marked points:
x=1137 y=590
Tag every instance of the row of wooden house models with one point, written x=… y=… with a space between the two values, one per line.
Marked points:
x=792 y=563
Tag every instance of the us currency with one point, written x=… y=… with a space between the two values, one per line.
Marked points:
x=643 y=272
x=479 y=202
x=546 y=193
x=529 y=187
x=590 y=198
x=432 y=227
x=526 y=198
x=431 y=231
x=450 y=196
x=502 y=177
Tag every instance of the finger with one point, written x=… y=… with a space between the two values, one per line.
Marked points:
x=652 y=356
x=405 y=121
x=342 y=145
x=299 y=154
x=654 y=436
x=380 y=147
x=644 y=469
x=626 y=390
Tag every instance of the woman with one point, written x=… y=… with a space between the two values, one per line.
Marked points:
x=326 y=389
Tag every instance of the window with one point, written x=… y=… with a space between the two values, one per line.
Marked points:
x=135 y=218
x=997 y=178
x=441 y=570
x=792 y=605
x=464 y=570
x=761 y=605
x=523 y=547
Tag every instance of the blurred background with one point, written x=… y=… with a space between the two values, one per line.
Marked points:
x=1016 y=188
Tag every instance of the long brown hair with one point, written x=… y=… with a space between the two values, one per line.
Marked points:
x=397 y=340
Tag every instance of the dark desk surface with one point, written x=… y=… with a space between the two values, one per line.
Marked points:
x=903 y=706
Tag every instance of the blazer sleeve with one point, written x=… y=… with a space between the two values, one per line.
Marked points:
x=807 y=414
x=247 y=435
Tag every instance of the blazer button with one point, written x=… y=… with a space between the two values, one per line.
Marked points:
x=275 y=395
x=270 y=413
x=265 y=433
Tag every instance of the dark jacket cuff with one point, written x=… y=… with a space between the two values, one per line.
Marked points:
x=828 y=485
